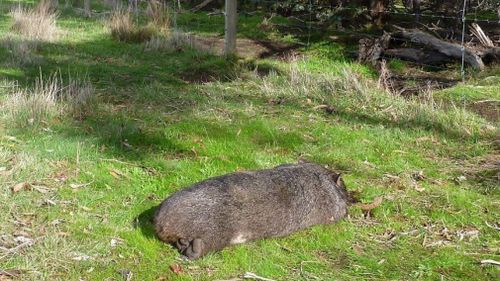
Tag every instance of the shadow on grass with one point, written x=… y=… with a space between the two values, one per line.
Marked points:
x=121 y=73
x=144 y=222
x=119 y=65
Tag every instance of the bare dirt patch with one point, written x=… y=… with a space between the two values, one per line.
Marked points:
x=490 y=110
x=249 y=48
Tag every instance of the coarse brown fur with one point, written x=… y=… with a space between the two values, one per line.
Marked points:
x=246 y=206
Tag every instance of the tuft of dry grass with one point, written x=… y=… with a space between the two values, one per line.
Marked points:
x=159 y=15
x=175 y=41
x=36 y=24
x=49 y=98
x=22 y=51
x=123 y=27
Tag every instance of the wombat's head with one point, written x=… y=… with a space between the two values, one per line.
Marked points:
x=341 y=188
x=350 y=196
x=339 y=182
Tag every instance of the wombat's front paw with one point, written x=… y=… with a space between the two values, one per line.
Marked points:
x=194 y=250
x=182 y=244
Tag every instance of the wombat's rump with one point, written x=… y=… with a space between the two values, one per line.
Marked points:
x=245 y=206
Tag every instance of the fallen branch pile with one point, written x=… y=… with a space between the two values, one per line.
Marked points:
x=424 y=48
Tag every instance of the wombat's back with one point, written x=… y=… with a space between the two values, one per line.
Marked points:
x=245 y=206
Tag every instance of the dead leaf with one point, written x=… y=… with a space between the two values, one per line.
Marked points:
x=176 y=268
x=5 y=172
x=419 y=188
x=60 y=177
x=358 y=249
x=78 y=185
x=423 y=139
x=126 y=144
x=49 y=202
x=371 y=165
x=115 y=242
x=10 y=273
x=21 y=186
x=418 y=175
x=41 y=188
x=376 y=202
x=22 y=240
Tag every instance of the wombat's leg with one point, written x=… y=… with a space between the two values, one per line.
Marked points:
x=194 y=250
x=182 y=244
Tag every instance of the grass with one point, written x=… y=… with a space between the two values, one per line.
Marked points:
x=153 y=128
x=124 y=28
x=38 y=23
x=30 y=27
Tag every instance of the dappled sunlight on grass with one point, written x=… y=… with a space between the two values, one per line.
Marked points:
x=86 y=187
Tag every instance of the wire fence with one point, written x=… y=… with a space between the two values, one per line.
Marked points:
x=456 y=24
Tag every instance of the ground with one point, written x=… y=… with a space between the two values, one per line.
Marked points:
x=77 y=194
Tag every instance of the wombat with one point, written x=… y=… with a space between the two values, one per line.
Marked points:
x=245 y=206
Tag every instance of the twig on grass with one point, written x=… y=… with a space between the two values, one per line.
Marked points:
x=250 y=275
x=493 y=262
x=16 y=248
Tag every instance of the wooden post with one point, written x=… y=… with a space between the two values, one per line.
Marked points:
x=230 y=29
x=87 y=8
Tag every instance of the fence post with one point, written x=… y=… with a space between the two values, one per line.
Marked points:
x=463 y=41
x=231 y=14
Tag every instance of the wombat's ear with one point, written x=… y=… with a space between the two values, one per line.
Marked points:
x=337 y=178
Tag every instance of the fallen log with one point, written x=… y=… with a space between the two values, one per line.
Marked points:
x=429 y=57
x=491 y=55
x=449 y=49
x=201 y=5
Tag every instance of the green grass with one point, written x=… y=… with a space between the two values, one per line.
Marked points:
x=153 y=133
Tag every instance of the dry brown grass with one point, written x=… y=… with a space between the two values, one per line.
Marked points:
x=50 y=97
x=159 y=16
x=175 y=41
x=36 y=24
x=123 y=27
x=22 y=51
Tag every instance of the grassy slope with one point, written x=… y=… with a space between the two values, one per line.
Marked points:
x=155 y=134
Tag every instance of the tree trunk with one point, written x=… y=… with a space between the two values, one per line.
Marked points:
x=418 y=56
x=416 y=10
x=372 y=50
x=377 y=11
x=87 y=8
